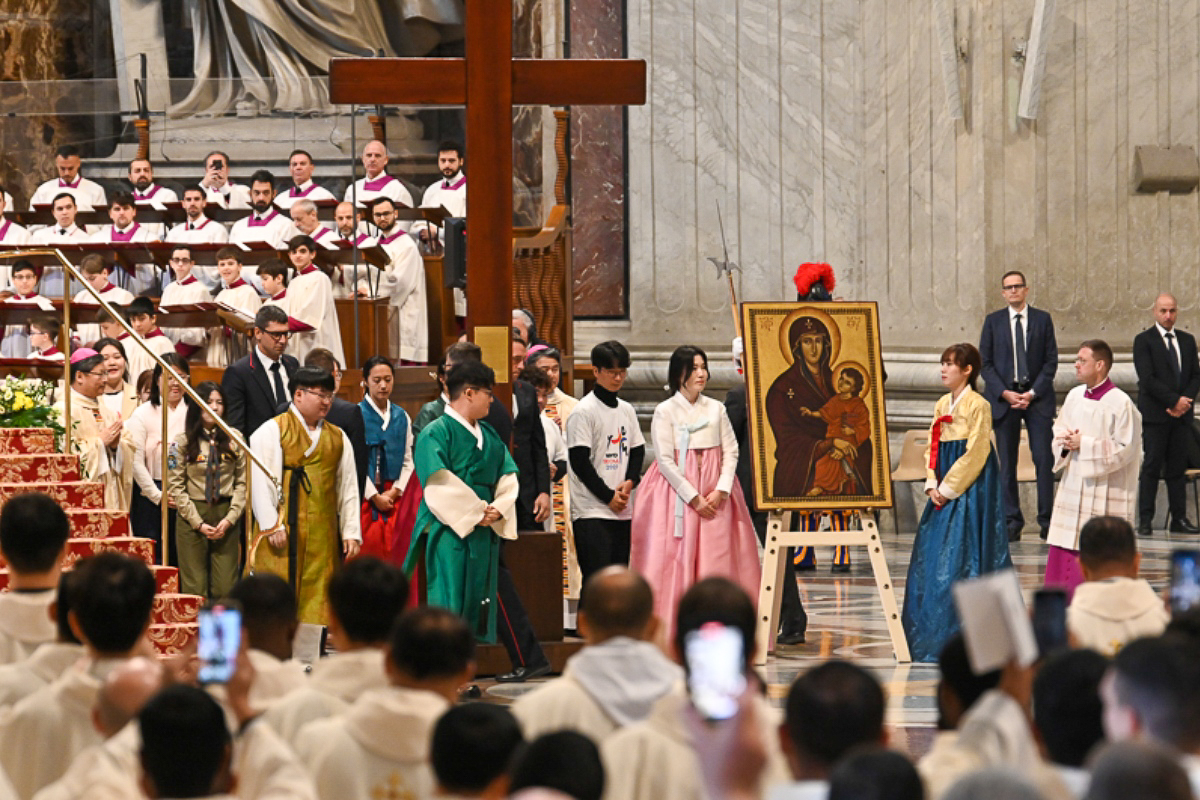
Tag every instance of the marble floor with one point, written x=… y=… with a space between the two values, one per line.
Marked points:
x=845 y=620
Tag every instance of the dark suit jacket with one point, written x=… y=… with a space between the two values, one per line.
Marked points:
x=999 y=360
x=1157 y=388
x=348 y=417
x=735 y=408
x=529 y=446
x=249 y=396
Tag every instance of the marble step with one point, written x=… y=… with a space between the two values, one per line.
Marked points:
x=69 y=494
x=39 y=468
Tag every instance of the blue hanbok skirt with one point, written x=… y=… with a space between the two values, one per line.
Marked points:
x=963 y=539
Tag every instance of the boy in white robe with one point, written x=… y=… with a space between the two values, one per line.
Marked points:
x=1098 y=449
x=42 y=734
x=310 y=301
x=380 y=744
x=97 y=273
x=143 y=318
x=235 y=293
x=25 y=279
x=365 y=597
x=33 y=540
x=1113 y=606
x=185 y=290
x=620 y=675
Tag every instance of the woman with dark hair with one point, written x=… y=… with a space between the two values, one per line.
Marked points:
x=392 y=494
x=206 y=480
x=119 y=394
x=961 y=533
x=690 y=520
x=145 y=433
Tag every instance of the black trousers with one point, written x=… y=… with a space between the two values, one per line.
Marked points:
x=1164 y=453
x=145 y=520
x=1008 y=438
x=600 y=543
x=512 y=622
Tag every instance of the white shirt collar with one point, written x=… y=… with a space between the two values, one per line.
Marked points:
x=475 y=430
x=1163 y=331
x=266 y=359
x=1024 y=312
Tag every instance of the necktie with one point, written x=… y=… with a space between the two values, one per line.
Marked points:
x=62 y=231
x=280 y=393
x=191 y=226
x=1174 y=357
x=211 y=476
x=1022 y=362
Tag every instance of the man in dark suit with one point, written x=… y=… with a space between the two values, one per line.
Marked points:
x=1168 y=380
x=1020 y=357
x=343 y=414
x=256 y=386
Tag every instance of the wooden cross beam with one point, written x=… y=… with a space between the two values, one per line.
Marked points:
x=489 y=82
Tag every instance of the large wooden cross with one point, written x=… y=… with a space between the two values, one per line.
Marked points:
x=489 y=81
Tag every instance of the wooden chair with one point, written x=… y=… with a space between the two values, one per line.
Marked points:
x=912 y=464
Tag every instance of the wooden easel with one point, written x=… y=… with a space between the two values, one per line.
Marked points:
x=779 y=539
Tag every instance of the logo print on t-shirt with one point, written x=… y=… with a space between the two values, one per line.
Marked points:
x=618 y=448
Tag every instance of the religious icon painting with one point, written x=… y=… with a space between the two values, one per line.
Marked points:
x=814 y=393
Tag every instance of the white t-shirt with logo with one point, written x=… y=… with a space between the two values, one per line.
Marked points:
x=610 y=433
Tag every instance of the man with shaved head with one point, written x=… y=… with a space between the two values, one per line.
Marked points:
x=618 y=677
x=1168 y=380
x=364 y=191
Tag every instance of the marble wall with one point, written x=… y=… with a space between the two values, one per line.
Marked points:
x=821 y=130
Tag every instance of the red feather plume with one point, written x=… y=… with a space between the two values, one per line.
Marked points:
x=809 y=273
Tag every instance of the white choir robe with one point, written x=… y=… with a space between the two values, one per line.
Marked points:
x=265 y=767
x=378 y=748
x=382 y=185
x=654 y=760
x=51 y=283
x=449 y=194
x=310 y=300
x=243 y=297
x=190 y=290
x=146 y=276
x=305 y=191
x=119 y=297
x=41 y=735
x=87 y=194
x=25 y=624
x=336 y=682
x=113 y=468
x=137 y=358
x=273 y=228
x=13 y=234
x=16 y=337
x=404 y=286
x=157 y=197
x=43 y=666
x=8 y=203
x=231 y=195
x=1101 y=477
x=201 y=231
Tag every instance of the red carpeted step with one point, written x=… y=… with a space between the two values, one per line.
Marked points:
x=167 y=579
x=68 y=494
x=38 y=468
x=26 y=440
x=129 y=545
x=175 y=609
x=171 y=639
x=97 y=523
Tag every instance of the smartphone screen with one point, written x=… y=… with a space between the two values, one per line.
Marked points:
x=715 y=660
x=1050 y=620
x=1185 y=579
x=218 y=641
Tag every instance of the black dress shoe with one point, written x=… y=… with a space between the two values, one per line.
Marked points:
x=1014 y=535
x=522 y=674
x=1181 y=525
x=470 y=692
x=840 y=568
x=1145 y=529
x=1045 y=534
x=790 y=637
